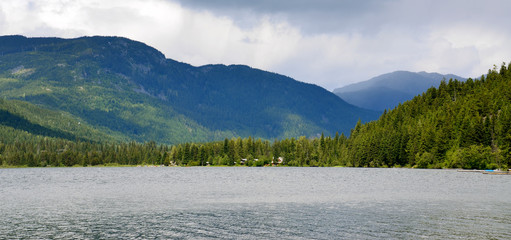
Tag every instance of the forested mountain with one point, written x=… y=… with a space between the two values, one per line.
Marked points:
x=388 y=90
x=130 y=91
x=457 y=125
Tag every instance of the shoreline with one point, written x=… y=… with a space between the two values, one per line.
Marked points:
x=483 y=171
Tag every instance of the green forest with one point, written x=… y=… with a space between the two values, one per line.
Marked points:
x=457 y=125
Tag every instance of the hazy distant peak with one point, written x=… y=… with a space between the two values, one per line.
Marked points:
x=388 y=90
x=400 y=80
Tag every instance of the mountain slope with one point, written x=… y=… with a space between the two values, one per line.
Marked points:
x=24 y=122
x=131 y=90
x=388 y=90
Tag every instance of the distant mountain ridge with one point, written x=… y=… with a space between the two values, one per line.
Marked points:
x=131 y=91
x=388 y=90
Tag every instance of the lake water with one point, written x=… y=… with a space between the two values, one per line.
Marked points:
x=252 y=203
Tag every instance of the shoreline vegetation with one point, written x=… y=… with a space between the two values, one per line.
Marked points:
x=301 y=152
x=459 y=125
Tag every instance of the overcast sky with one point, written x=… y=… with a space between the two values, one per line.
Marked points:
x=330 y=43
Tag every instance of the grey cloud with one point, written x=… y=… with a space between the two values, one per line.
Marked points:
x=367 y=16
x=273 y=6
x=310 y=16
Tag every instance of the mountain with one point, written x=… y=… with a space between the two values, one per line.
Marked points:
x=388 y=90
x=130 y=91
x=457 y=125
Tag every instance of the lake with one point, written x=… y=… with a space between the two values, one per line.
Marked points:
x=252 y=203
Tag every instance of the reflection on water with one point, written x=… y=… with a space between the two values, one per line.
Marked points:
x=252 y=203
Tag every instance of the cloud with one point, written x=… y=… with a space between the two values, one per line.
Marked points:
x=327 y=42
x=311 y=16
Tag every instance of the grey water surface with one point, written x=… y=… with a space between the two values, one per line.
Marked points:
x=252 y=203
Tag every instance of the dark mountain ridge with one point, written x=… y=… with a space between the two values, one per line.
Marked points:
x=128 y=88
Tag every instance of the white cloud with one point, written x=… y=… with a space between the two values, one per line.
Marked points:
x=395 y=35
x=477 y=47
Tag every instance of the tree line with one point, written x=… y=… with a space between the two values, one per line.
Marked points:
x=230 y=152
